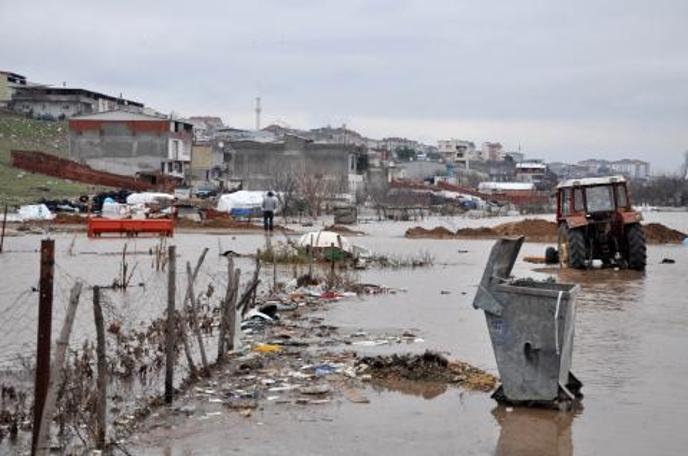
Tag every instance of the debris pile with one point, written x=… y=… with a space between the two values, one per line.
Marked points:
x=428 y=367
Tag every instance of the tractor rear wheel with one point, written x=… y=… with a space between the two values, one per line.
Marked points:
x=637 y=252
x=571 y=247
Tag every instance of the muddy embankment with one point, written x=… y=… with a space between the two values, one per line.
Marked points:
x=535 y=230
x=77 y=223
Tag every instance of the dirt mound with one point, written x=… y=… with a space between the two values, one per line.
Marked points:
x=536 y=230
x=341 y=229
x=428 y=367
x=483 y=232
x=656 y=233
x=69 y=219
x=438 y=232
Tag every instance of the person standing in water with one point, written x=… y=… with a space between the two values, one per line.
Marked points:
x=270 y=203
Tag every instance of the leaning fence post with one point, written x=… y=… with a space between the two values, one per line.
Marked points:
x=101 y=408
x=194 y=318
x=45 y=317
x=43 y=439
x=171 y=324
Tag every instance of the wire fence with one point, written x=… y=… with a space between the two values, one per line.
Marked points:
x=136 y=344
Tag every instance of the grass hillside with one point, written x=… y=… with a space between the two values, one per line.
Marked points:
x=20 y=187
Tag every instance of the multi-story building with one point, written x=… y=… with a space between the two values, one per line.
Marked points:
x=458 y=151
x=259 y=165
x=131 y=143
x=635 y=169
x=65 y=102
x=492 y=151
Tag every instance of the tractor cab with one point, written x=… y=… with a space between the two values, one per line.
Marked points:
x=596 y=221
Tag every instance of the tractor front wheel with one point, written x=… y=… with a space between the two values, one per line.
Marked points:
x=571 y=247
x=637 y=252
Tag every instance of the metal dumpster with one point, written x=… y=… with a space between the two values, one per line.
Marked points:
x=531 y=326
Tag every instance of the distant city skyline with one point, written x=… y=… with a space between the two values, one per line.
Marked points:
x=565 y=81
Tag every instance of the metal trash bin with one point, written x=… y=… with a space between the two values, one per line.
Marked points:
x=531 y=326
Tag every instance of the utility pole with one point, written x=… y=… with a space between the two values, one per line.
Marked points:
x=258 y=111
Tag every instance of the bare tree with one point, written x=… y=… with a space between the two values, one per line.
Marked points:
x=284 y=182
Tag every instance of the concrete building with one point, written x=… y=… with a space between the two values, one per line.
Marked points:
x=204 y=127
x=201 y=168
x=458 y=151
x=9 y=83
x=635 y=169
x=531 y=171
x=63 y=102
x=501 y=170
x=492 y=151
x=258 y=165
x=131 y=143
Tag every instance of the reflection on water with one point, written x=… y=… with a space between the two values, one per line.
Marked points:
x=426 y=390
x=530 y=432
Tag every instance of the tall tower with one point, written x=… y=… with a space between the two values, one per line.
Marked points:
x=258 y=111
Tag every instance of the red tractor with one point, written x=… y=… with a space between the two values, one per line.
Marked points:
x=597 y=222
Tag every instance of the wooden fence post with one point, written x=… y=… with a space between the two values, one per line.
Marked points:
x=194 y=318
x=45 y=318
x=43 y=439
x=101 y=407
x=2 y=235
x=171 y=323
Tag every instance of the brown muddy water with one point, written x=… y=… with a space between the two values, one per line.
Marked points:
x=631 y=335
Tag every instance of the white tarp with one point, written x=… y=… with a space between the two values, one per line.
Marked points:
x=114 y=210
x=505 y=186
x=34 y=212
x=243 y=199
x=149 y=197
x=323 y=239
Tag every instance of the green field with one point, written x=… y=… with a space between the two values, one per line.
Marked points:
x=20 y=187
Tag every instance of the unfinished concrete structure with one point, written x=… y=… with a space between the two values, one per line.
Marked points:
x=65 y=102
x=131 y=143
x=9 y=83
x=261 y=165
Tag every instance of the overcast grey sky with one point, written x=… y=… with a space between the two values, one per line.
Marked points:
x=566 y=80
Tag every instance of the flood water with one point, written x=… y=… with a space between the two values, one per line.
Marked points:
x=631 y=335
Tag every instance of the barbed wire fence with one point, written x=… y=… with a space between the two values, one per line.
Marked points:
x=123 y=354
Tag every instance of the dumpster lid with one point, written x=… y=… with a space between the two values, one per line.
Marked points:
x=498 y=269
x=502 y=259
